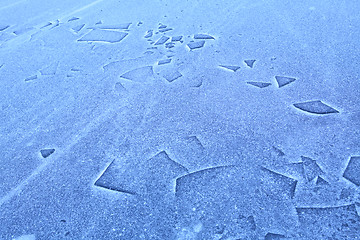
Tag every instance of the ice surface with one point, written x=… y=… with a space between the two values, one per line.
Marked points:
x=278 y=184
x=26 y=237
x=158 y=120
x=50 y=69
x=339 y=222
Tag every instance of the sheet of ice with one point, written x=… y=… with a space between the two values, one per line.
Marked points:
x=157 y=120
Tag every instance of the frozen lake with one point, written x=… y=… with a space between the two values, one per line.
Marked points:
x=179 y=119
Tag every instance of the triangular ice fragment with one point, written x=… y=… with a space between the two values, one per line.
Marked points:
x=250 y=63
x=47 y=152
x=282 y=81
x=316 y=107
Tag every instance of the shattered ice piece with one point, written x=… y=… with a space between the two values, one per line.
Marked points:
x=162 y=26
x=122 y=26
x=99 y=22
x=259 y=84
x=148 y=34
x=169 y=45
x=352 y=171
x=282 y=81
x=203 y=36
x=250 y=63
x=172 y=76
x=3 y=27
x=165 y=30
x=98 y=35
x=162 y=40
x=195 y=45
x=31 y=78
x=73 y=19
x=47 y=152
x=139 y=74
x=165 y=61
x=232 y=68
x=176 y=38
x=316 y=107
x=78 y=28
